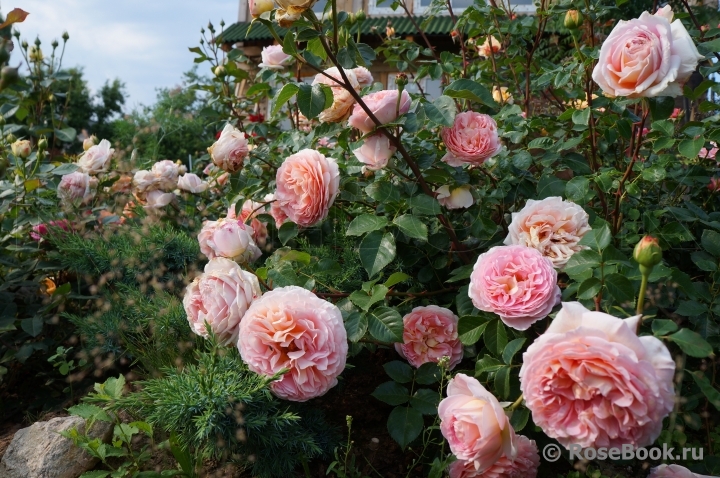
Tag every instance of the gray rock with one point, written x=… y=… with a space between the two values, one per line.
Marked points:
x=40 y=452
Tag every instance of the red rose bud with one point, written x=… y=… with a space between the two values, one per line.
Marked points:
x=647 y=253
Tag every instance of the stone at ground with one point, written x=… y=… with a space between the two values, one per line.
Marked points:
x=39 y=451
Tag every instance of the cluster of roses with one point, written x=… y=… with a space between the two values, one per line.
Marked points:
x=80 y=186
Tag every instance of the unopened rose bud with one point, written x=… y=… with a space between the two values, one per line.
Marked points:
x=647 y=253
x=89 y=142
x=401 y=80
x=42 y=144
x=220 y=71
x=21 y=148
x=10 y=138
x=54 y=44
x=24 y=45
x=222 y=23
x=714 y=184
x=360 y=16
x=65 y=36
x=573 y=19
x=37 y=42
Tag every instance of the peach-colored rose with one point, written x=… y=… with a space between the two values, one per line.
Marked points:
x=291 y=328
x=674 y=471
x=384 y=106
x=77 y=187
x=552 y=226
x=191 y=182
x=375 y=152
x=343 y=101
x=459 y=198
x=96 y=159
x=340 y=108
x=258 y=7
x=502 y=95
x=472 y=139
x=166 y=173
x=489 y=46
x=157 y=199
x=525 y=465
x=249 y=211
x=515 y=282
x=275 y=210
x=646 y=56
x=307 y=183
x=220 y=297
x=21 y=148
x=474 y=424
x=229 y=238
x=230 y=150
x=590 y=380
x=123 y=185
x=274 y=58
x=430 y=333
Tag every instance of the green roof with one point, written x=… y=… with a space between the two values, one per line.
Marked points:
x=437 y=25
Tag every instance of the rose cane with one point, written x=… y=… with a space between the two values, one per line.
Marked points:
x=648 y=254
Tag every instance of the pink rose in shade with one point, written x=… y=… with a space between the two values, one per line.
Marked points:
x=430 y=333
x=96 y=159
x=76 y=187
x=274 y=58
x=229 y=238
x=363 y=75
x=646 y=56
x=41 y=230
x=525 y=465
x=307 y=183
x=166 y=173
x=145 y=181
x=275 y=210
x=157 y=199
x=230 y=150
x=384 y=105
x=714 y=184
x=220 y=297
x=250 y=210
x=291 y=328
x=552 y=226
x=475 y=425
x=472 y=139
x=590 y=380
x=515 y=282
x=192 y=183
x=706 y=153
x=674 y=471
x=375 y=152
x=459 y=198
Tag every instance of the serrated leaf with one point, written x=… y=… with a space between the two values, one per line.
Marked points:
x=470 y=90
x=399 y=371
x=428 y=373
x=313 y=100
x=365 y=300
x=691 y=343
x=589 y=288
x=471 y=328
x=377 y=250
x=581 y=117
x=405 y=425
x=502 y=382
x=577 y=188
x=519 y=419
x=395 y=278
x=620 y=288
x=425 y=205
x=391 y=393
x=582 y=261
x=287 y=231
x=385 y=324
x=441 y=111
x=356 y=326
x=691 y=308
x=89 y=412
x=712 y=393
x=412 y=227
x=425 y=401
x=597 y=239
x=511 y=349
x=711 y=242
x=64 y=169
x=66 y=135
x=487 y=364
x=32 y=326
x=691 y=147
x=663 y=327
x=495 y=337
x=366 y=223
x=284 y=95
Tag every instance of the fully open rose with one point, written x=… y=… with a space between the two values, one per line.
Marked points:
x=274 y=58
x=472 y=139
x=430 y=333
x=96 y=159
x=525 y=465
x=229 y=238
x=291 y=328
x=385 y=107
x=590 y=380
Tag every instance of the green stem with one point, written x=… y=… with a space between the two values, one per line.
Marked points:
x=306 y=468
x=641 y=294
x=516 y=403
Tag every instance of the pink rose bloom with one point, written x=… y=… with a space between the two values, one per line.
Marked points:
x=274 y=58
x=647 y=56
x=250 y=210
x=77 y=186
x=144 y=181
x=472 y=139
x=475 y=425
x=166 y=173
x=157 y=199
x=714 y=184
x=674 y=471
x=220 y=297
x=676 y=113
x=589 y=379
x=343 y=101
x=192 y=183
x=275 y=210
x=291 y=328
x=552 y=226
x=40 y=230
x=229 y=238
x=525 y=465
x=96 y=159
x=383 y=104
x=307 y=183
x=709 y=153
x=230 y=150
x=375 y=152
x=458 y=198
x=325 y=142
x=515 y=282
x=430 y=333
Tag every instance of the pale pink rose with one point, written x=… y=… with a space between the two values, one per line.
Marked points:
x=384 y=106
x=291 y=328
x=96 y=159
x=489 y=46
x=430 y=333
x=525 y=465
x=363 y=75
x=41 y=230
x=590 y=380
x=325 y=142
x=706 y=153
x=459 y=198
x=714 y=184
x=258 y=7
x=77 y=186
x=515 y=282
x=157 y=199
x=552 y=226
x=646 y=56
x=474 y=424
x=472 y=139
x=230 y=150
x=191 y=182
x=166 y=173
x=250 y=210
x=307 y=183
x=274 y=58
x=375 y=152
x=145 y=181
x=220 y=297
x=21 y=148
x=674 y=471
x=276 y=211
x=229 y=238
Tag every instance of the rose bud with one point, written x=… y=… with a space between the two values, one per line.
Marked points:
x=573 y=19
x=647 y=252
x=21 y=148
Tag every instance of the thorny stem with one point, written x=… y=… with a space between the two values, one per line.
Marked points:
x=635 y=145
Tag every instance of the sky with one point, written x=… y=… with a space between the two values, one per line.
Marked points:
x=144 y=43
